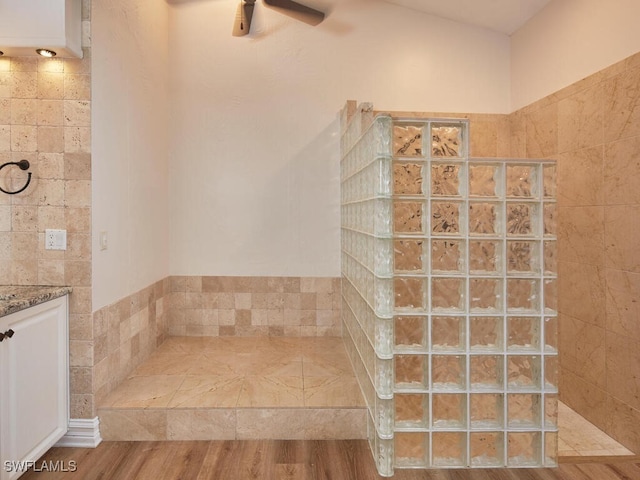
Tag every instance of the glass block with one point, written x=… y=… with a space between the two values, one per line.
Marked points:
x=549 y=181
x=551 y=411
x=448 y=449
x=447 y=294
x=447 y=333
x=551 y=296
x=445 y=180
x=485 y=294
x=521 y=219
x=407 y=178
x=408 y=255
x=485 y=333
x=448 y=372
x=407 y=140
x=411 y=449
x=551 y=334
x=523 y=449
x=523 y=410
x=549 y=217
x=523 y=257
x=550 y=257
x=446 y=140
x=382 y=296
x=486 y=371
x=551 y=449
x=485 y=257
x=382 y=451
x=411 y=410
x=410 y=293
x=383 y=336
x=523 y=371
x=486 y=449
x=410 y=332
x=521 y=181
x=445 y=218
x=407 y=216
x=383 y=369
x=523 y=333
x=411 y=371
x=447 y=256
x=484 y=218
x=482 y=180
x=486 y=410
x=551 y=372
x=448 y=410
x=523 y=295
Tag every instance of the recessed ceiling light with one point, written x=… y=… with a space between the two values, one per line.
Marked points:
x=1 y=53
x=46 y=53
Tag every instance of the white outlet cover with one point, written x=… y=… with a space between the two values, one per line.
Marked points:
x=55 y=239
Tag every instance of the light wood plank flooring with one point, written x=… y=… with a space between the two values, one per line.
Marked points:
x=279 y=460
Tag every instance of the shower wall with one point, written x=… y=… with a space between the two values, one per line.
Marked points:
x=592 y=128
x=449 y=295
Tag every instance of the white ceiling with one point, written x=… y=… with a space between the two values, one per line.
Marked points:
x=504 y=16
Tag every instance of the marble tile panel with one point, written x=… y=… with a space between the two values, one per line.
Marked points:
x=623 y=423
x=541 y=132
x=622 y=105
x=330 y=424
x=623 y=363
x=580 y=180
x=622 y=237
x=581 y=234
x=332 y=391
x=271 y=391
x=580 y=119
x=153 y=391
x=581 y=292
x=201 y=424
x=271 y=423
x=133 y=424
x=585 y=398
x=207 y=391
x=168 y=364
x=622 y=171
x=622 y=306
x=323 y=363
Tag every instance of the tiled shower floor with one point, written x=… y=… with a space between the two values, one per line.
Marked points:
x=195 y=388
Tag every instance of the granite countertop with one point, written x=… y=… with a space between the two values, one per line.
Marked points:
x=18 y=297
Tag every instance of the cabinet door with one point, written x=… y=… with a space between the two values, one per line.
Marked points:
x=34 y=406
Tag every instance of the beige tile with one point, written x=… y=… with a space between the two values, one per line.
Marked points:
x=275 y=423
x=24 y=138
x=581 y=235
x=207 y=391
x=622 y=237
x=623 y=423
x=23 y=111
x=50 y=113
x=201 y=424
x=271 y=391
x=580 y=177
x=622 y=171
x=541 y=127
x=168 y=364
x=580 y=119
x=320 y=364
x=622 y=105
x=581 y=292
x=24 y=84
x=144 y=392
x=334 y=391
x=622 y=307
x=133 y=424
x=623 y=363
x=330 y=424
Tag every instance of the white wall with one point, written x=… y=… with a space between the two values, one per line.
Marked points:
x=570 y=40
x=129 y=146
x=254 y=169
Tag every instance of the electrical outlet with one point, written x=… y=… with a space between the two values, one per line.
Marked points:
x=55 y=239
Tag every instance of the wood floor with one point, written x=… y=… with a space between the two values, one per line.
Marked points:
x=277 y=460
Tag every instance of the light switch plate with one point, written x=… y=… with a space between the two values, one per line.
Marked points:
x=55 y=239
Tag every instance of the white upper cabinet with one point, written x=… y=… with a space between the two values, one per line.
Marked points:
x=26 y=25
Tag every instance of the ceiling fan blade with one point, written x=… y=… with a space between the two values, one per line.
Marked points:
x=242 y=23
x=298 y=11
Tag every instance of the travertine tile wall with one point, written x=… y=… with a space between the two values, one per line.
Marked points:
x=251 y=306
x=593 y=129
x=125 y=335
x=45 y=115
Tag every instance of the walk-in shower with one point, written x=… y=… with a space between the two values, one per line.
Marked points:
x=449 y=295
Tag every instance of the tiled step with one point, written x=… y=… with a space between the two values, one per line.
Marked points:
x=214 y=388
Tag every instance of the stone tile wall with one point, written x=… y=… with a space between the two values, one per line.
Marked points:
x=593 y=129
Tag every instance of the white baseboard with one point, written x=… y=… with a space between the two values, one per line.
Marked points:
x=83 y=433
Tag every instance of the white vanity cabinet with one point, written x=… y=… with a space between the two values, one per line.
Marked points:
x=34 y=383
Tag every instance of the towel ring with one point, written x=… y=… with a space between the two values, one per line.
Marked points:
x=23 y=165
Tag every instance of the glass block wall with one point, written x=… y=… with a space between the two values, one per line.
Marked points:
x=449 y=295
